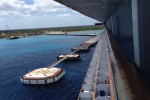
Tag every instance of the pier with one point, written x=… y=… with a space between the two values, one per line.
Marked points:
x=82 y=47
x=69 y=57
x=83 y=34
x=52 y=74
x=66 y=34
x=85 y=46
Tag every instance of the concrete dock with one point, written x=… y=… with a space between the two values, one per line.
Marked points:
x=69 y=57
x=66 y=34
x=85 y=46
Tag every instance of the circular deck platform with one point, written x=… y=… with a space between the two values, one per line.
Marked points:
x=42 y=76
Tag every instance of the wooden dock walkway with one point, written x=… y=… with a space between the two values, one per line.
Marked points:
x=74 y=34
x=83 y=34
x=83 y=46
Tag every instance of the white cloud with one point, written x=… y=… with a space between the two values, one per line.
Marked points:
x=64 y=15
x=2 y=19
x=21 y=8
x=38 y=13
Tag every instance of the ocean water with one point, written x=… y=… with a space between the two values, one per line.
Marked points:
x=19 y=56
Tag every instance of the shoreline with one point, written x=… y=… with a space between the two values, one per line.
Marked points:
x=26 y=34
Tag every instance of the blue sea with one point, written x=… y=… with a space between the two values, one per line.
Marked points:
x=19 y=56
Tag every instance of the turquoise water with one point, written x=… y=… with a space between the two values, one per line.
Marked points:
x=19 y=56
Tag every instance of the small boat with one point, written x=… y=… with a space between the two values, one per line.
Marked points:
x=43 y=76
x=21 y=36
x=13 y=37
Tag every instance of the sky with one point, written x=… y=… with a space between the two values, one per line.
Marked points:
x=23 y=14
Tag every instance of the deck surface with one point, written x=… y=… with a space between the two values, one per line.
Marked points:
x=41 y=73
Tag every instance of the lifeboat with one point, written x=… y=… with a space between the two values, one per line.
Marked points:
x=13 y=37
